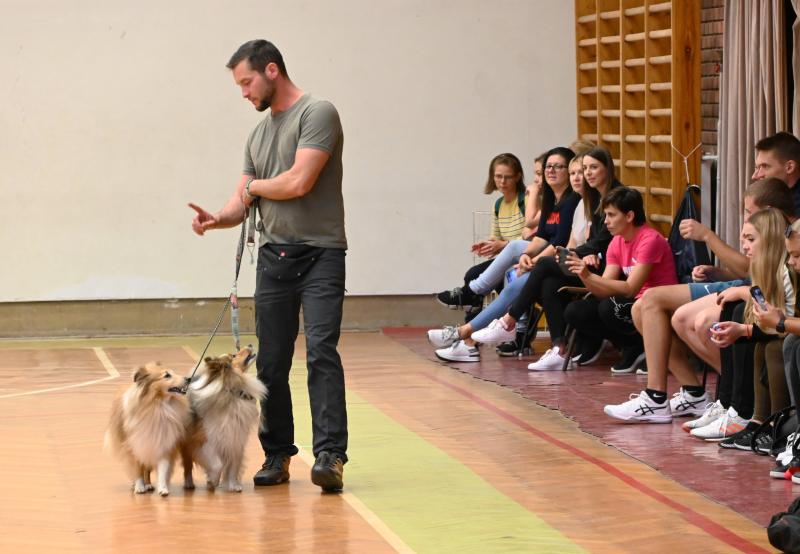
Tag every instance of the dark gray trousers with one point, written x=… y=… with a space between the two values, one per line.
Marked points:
x=320 y=293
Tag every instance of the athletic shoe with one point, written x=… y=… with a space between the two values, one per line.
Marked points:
x=460 y=352
x=723 y=427
x=550 y=361
x=507 y=349
x=796 y=478
x=631 y=358
x=444 y=337
x=684 y=404
x=459 y=297
x=741 y=440
x=763 y=443
x=640 y=408
x=590 y=353
x=713 y=411
x=781 y=470
x=642 y=370
x=494 y=333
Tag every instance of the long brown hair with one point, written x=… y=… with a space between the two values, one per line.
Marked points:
x=768 y=266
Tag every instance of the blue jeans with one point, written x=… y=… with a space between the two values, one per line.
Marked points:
x=320 y=293
x=494 y=274
x=499 y=307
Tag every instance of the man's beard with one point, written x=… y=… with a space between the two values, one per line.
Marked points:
x=264 y=104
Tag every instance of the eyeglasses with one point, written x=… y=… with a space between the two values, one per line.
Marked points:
x=504 y=177
x=555 y=167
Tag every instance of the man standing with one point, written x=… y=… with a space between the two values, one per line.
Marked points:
x=293 y=170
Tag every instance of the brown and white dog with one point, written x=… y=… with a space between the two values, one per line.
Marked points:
x=224 y=399
x=148 y=425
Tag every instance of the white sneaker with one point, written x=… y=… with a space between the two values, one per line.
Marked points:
x=713 y=412
x=723 y=427
x=494 y=333
x=460 y=352
x=640 y=408
x=684 y=404
x=550 y=361
x=443 y=337
x=786 y=456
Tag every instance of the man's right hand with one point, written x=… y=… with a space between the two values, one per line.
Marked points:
x=703 y=273
x=692 y=229
x=203 y=220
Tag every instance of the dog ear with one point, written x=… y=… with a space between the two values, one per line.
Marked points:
x=140 y=374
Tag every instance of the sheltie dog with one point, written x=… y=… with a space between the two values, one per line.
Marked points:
x=224 y=400
x=148 y=425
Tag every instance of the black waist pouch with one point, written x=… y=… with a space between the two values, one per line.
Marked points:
x=286 y=262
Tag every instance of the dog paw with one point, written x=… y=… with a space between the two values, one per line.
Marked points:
x=188 y=486
x=163 y=492
x=149 y=488
x=210 y=485
x=234 y=487
x=140 y=489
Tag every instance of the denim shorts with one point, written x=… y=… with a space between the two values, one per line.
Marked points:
x=699 y=290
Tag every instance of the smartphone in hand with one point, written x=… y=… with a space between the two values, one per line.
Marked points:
x=758 y=296
x=562 y=254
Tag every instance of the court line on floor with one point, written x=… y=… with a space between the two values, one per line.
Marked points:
x=107 y=365
x=366 y=514
x=355 y=503
x=700 y=521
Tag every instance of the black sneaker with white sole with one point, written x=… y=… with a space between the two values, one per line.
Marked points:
x=507 y=349
x=460 y=297
x=631 y=360
x=740 y=440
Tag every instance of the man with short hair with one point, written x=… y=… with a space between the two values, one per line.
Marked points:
x=293 y=172
x=779 y=156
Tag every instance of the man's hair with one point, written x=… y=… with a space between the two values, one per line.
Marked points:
x=258 y=53
x=784 y=145
x=772 y=193
x=626 y=200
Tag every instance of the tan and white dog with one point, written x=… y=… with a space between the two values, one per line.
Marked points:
x=225 y=401
x=148 y=425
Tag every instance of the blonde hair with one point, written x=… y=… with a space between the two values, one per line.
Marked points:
x=768 y=266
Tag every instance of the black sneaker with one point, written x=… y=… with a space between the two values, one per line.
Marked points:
x=327 y=471
x=642 y=370
x=460 y=297
x=740 y=440
x=762 y=444
x=274 y=471
x=507 y=349
x=631 y=360
x=590 y=351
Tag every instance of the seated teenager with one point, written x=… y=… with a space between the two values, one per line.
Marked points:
x=652 y=405
x=658 y=315
x=763 y=243
x=547 y=276
x=638 y=258
x=509 y=224
x=558 y=207
x=774 y=318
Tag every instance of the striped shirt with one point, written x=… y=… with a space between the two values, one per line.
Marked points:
x=509 y=222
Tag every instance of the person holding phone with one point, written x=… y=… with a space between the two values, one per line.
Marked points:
x=638 y=258
x=771 y=317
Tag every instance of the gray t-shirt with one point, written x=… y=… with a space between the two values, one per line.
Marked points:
x=316 y=219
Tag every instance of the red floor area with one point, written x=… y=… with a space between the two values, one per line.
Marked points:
x=735 y=478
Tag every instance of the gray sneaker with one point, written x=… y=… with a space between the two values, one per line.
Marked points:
x=444 y=337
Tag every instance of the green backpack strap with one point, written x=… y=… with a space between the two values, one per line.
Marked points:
x=520 y=203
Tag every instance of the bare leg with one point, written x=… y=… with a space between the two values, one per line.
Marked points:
x=651 y=316
x=691 y=323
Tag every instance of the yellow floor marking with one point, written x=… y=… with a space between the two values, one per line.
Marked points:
x=107 y=365
x=103 y=357
x=368 y=515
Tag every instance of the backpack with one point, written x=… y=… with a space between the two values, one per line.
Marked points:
x=784 y=529
x=687 y=253
x=520 y=203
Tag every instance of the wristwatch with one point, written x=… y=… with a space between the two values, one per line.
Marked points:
x=781 y=325
x=247 y=189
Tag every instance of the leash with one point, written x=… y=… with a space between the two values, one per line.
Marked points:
x=247 y=237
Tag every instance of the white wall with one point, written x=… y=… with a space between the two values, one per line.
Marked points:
x=115 y=114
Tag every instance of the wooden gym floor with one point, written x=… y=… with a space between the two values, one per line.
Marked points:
x=440 y=461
